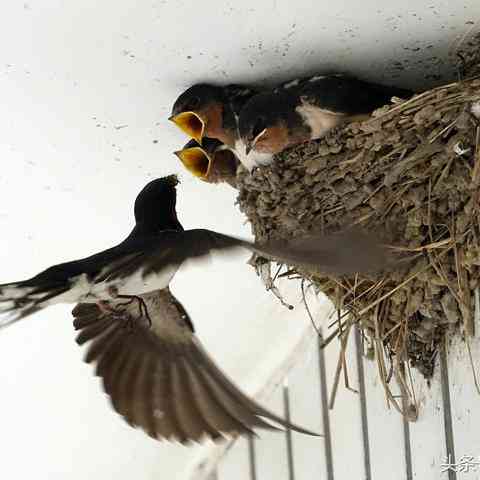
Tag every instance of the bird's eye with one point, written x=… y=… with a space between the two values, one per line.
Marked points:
x=193 y=103
x=259 y=127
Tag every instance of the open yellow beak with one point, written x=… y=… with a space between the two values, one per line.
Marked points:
x=191 y=124
x=196 y=161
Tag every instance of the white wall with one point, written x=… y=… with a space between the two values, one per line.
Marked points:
x=71 y=74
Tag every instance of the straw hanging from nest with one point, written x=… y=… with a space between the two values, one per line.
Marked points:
x=411 y=172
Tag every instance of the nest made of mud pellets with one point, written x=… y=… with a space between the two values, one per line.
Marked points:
x=412 y=171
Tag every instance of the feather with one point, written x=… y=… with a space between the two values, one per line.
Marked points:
x=161 y=379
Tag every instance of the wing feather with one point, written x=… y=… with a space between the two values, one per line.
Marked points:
x=160 y=378
x=342 y=253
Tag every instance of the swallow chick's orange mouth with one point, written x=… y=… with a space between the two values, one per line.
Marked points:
x=191 y=124
x=196 y=161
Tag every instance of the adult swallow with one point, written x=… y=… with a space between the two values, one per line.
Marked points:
x=307 y=109
x=153 y=366
x=212 y=161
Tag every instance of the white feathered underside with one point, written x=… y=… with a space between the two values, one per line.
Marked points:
x=16 y=299
x=253 y=159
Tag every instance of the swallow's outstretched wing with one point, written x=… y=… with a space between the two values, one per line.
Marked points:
x=150 y=263
x=160 y=378
x=346 y=253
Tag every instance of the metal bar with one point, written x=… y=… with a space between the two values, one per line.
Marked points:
x=252 y=458
x=447 y=410
x=288 y=432
x=363 y=405
x=406 y=441
x=213 y=475
x=325 y=411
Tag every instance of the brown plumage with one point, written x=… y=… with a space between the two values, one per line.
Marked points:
x=212 y=162
x=160 y=378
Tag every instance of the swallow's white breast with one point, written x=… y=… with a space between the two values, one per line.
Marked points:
x=253 y=159
x=136 y=284
x=319 y=120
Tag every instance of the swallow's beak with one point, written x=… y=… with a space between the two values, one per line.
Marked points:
x=191 y=124
x=173 y=180
x=196 y=160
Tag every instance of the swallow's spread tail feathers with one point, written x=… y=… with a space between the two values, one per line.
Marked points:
x=21 y=299
x=160 y=378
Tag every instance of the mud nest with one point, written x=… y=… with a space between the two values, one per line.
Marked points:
x=411 y=172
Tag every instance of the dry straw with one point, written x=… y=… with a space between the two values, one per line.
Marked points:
x=412 y=174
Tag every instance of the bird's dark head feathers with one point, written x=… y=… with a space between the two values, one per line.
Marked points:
x=208 y=161
x=197 y=97
x=155 y=205
x=210 y=145
x=268 y=120
x=199 y=111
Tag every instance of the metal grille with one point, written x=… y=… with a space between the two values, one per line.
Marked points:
x=379 y=443
x=363 y=439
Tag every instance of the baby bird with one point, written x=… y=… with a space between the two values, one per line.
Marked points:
x=307 y=109
x=212 y=162
x=210 y=111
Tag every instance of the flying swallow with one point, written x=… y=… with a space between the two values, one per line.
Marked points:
x=153 y=366
x=307 y=109
x=212 y=161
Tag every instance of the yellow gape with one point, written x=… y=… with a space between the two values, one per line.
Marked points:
x=196 y=161
x=191 y=124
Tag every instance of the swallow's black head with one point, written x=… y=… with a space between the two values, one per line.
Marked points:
x=199 y=111
x=268 y=121
x=197 y=97
x=198 y=159
x=155 y=205
x=210 y=145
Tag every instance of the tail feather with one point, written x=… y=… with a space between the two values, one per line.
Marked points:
x=18 y=301
x=15 y=290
